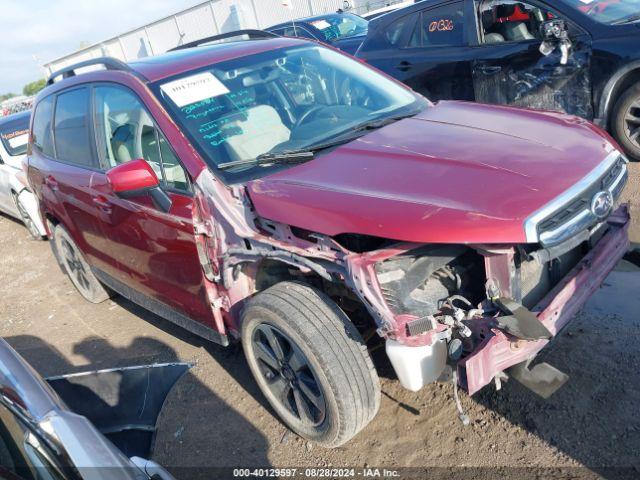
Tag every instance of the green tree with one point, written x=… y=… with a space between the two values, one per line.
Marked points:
x=6 y=96
x=34 y=87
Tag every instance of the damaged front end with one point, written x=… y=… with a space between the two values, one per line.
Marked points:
x=467 y=312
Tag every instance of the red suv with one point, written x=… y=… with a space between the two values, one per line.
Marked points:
x=284 y=194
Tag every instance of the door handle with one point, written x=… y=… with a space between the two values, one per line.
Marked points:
x=51 y=182
x=490 y=69
x=404 y=66
x=102 y=203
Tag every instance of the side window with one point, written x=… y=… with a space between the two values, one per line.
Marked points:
x=42 y=137
x=126 y=132
x=71 y=128
x=396 y=30
x=506 y=21
x=441 y=26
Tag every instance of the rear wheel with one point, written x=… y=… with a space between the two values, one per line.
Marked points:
x=626 y=121
x=26 y=218
x=310 y=362
x=76 y=267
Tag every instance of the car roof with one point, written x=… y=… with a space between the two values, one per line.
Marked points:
x=179 y=61
x=15 y=121
x=309 y=19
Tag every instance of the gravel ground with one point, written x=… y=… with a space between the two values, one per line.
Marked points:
x=216 y=416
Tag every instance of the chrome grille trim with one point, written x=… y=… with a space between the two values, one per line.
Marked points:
x=582 y=220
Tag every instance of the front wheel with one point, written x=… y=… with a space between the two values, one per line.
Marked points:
x=626 y=121
x=310 y=363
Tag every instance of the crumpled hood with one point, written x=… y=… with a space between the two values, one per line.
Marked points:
x=456 y=173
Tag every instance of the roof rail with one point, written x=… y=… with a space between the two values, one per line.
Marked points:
x=251 y=33
x=109 y=63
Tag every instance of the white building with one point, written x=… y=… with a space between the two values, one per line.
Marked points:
x=204 y=20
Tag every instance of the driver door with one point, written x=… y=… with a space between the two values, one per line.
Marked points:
x=509 y=68
x=151 y=252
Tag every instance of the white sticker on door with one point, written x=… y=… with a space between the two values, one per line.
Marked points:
x=194 y=88
x=20 y=141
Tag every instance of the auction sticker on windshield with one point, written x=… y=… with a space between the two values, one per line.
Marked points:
x=194 y=88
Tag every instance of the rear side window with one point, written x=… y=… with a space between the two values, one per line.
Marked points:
x=395 y=31
x=71 y=128
x=42 y=137
x=441 y=26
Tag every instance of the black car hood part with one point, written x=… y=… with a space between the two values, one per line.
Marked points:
x=122 y=403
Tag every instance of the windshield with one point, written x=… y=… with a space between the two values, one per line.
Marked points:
x=279 y=101
x=608 y=11
x=15 y=135
x=340 y=25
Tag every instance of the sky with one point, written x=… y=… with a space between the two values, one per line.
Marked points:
x=36 y=31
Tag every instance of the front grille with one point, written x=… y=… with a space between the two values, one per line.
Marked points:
x=583 y=201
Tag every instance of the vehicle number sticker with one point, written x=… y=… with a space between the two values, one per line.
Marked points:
x=321 y=24
x=194 y=88
x=444 y=25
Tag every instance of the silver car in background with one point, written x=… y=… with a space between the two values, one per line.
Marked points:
x=16 y=198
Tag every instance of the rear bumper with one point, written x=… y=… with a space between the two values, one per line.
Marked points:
x=500 y=351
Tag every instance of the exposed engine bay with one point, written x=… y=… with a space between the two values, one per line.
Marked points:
x=461 y=312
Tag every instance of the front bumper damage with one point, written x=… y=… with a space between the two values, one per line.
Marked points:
x=419 y=359
x=499 y=350
x=234 y=243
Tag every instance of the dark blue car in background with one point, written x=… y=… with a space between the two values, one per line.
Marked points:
x=342 y=30
x=581 y=57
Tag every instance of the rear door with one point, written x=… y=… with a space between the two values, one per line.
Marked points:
x=510 y=68
x=151 y=251
x=64 y=167
x=427 y=50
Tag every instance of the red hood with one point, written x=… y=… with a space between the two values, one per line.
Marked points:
x=456 y=173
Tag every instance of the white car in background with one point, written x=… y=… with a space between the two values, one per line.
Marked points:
x=390 y=8
x=16 y=199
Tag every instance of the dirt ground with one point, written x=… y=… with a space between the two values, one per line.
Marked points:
x=216 y=416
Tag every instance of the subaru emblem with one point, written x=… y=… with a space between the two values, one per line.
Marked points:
x=601 y=204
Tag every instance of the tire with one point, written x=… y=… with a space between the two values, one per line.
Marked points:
x=339 y=374
x=626 y=122
x=73 y=263
x=26 y=219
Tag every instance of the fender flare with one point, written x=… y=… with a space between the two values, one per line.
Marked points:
x=606 y=100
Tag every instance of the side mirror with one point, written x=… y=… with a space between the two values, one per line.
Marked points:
x=136 y=178
x=555 y=29
x=555 y=33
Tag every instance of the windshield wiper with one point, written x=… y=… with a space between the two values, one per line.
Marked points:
x=308 y=153
x=631 y=19
x=292 y=156
x=383 y=122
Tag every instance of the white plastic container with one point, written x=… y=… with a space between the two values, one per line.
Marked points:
x=417 y=366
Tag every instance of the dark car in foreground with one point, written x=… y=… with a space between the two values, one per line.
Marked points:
x=574 y=56
x=342 y=30
x=281 y=193
x=42 y=438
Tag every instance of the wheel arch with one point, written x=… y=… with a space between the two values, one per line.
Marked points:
x=616 y=86
x=271 y=271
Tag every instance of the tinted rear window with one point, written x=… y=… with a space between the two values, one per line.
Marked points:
x=42 y=138
x=15 y=135
x=71 y=128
